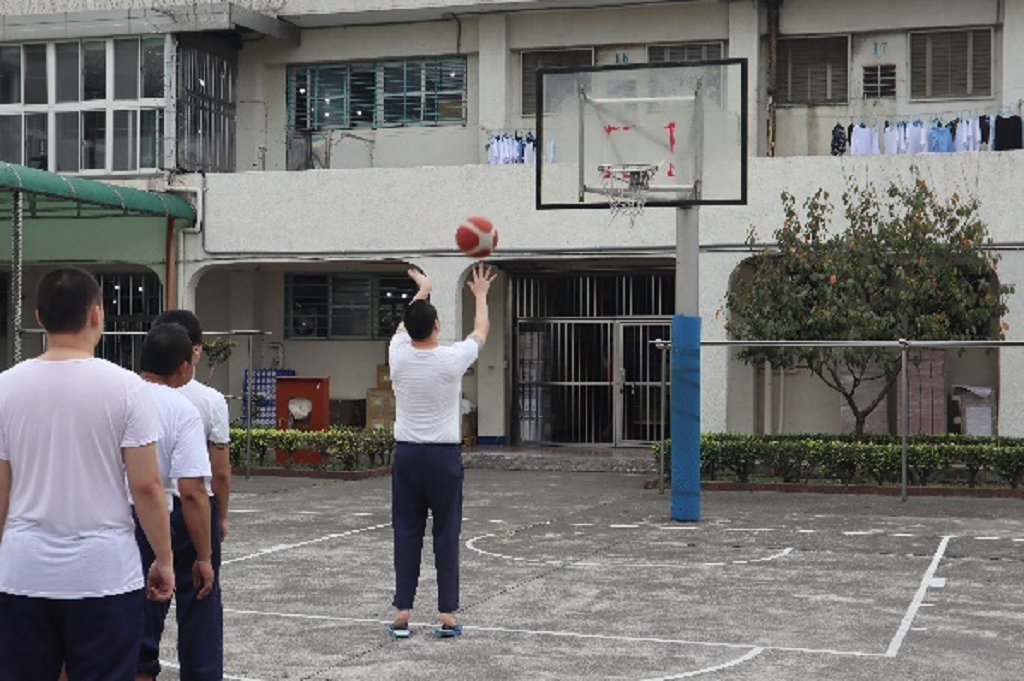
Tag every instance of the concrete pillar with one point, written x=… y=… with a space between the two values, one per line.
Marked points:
x=1012 y=85
x=745 y=42
x=494 y=76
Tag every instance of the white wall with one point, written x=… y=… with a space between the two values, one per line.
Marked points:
x=401 y=215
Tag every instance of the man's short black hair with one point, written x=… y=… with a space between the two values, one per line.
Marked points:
x=64 y=297
x=419 y=319
x=185 y=318
x=165 y=348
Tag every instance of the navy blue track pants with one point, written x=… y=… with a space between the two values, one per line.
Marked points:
x=97 y=638
x=200 y=622
x=426 y=477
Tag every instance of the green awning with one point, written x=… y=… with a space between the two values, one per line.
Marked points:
x=51 y=196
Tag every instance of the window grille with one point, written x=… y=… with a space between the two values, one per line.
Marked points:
x=951 y=64
x=880 y=81
x=684 y=52
x=345 y=307
x=206 y=107
x=813 y=71
x=548 y=58
x=378 y=94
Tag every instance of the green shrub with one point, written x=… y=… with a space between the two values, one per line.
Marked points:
x=343 y=447
x=876 y=458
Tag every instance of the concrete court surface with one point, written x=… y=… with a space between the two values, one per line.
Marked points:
x=583 y=575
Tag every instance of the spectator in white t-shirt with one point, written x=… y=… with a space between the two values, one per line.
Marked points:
x=427 y=471
x=73 y=430
x=214 y=410
x=185 y=466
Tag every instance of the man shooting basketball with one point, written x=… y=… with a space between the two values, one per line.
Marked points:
x=427 y=472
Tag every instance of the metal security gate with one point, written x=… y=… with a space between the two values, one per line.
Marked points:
x=584 y=370
x=638 y=409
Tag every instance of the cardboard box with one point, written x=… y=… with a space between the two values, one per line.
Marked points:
x=380 y=405
x=383 y=377
x=381 y=423
x=469 y=428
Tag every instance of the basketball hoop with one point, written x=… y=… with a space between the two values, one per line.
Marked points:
x=626 y=187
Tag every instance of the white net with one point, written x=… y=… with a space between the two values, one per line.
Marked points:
x=626 y=187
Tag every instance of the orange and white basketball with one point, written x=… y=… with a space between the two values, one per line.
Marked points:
x=476 y=237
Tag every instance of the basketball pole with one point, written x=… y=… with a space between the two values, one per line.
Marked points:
x=685 y=368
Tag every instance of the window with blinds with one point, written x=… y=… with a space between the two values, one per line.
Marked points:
x=880 y=81
x=552 y=59
x=813 y=70
x=377 y=94
x=684 y=52
x=951 y=64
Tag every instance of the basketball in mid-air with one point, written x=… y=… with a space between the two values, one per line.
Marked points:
x=476 y=237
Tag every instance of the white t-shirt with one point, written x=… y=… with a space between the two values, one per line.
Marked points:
x=428 y=388
x=181 y=449
x=69 y=531
x=213 y=409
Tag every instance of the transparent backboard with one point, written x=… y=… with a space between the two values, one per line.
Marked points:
x=688 y=120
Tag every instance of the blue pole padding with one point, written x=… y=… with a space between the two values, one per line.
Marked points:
x=685 y=421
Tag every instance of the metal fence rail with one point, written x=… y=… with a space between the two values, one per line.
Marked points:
x=903 y=345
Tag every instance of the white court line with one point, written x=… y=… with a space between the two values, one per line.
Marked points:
x=717 y=668
x=623 y=527
x=986 y=538
x=922 y=591
x=901 y=534
x=749 y=529
x=561 y=634
x=243 y=510
x=573 y=563
x=171 y=665
x=287 y=547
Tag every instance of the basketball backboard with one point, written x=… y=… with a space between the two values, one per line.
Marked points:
x=682 y=124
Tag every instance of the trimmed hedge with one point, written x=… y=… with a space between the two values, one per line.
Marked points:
x=872 y=459
x=345 y=448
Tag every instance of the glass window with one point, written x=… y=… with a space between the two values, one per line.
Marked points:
x=362 y=95
x=126 y=69
x=393 y=92
x=94 y=140
x=125 y=136
x=94 y=70
x=10 y=75
x=153 y=67
x=10 y=138
x=67 y=72
x=350 y=307
x=67 y=142
x=36 y=140
x=35 y=74
x=151 y=138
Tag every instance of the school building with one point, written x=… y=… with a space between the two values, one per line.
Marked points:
x=329 y=145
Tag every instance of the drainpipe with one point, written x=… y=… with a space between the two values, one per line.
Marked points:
x=171 y=271
x=773 y=44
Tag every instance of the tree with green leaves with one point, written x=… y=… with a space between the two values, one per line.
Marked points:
x=902 y=264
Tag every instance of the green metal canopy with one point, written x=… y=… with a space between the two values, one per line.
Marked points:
x=51 y=195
